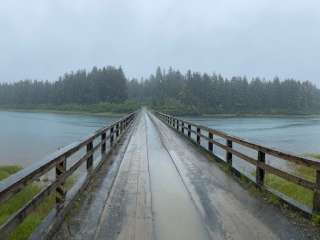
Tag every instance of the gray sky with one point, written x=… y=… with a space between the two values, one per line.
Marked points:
x=43 y=39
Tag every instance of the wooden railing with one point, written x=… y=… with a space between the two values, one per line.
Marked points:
x=62 y=168
x=262 y=167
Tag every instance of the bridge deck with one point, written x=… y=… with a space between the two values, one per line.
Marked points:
x=161 y=187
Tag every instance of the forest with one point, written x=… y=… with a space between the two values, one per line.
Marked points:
x=108 y=89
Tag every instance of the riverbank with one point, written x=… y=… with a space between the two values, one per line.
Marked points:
x=182 y=110
x=100 y=109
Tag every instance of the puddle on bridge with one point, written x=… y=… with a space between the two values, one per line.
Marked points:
x=175 y=215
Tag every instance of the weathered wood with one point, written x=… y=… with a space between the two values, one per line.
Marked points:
x=198 y=136
x=316 y=196
x=210 y=144
x=189 y=130
x=30 y=206
x=103 y=141
x=261 y=165
x=61 y=168
x=182 y=128
x=16 y=182
x=111 y=136
x=274 y=152
x=229 y=154
x=259 y=169
x=235 y=152
x=117 y=130
x=287 y=176
x=90 y=158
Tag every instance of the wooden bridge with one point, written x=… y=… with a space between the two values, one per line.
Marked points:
x=149 y=176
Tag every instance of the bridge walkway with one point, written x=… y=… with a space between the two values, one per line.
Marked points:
x=160 y=186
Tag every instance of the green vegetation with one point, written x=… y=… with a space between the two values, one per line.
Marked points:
x=6 y=171
x=197 y=93
x=98 y=108
x=296 y=192
x=316 y=218
x=24 y=230
x=108 y=90
x=290 y=189
x=313 y=155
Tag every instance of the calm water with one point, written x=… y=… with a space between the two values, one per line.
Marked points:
x=295 y=134
x=28 y=137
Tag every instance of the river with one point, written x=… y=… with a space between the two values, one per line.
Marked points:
x=294 y=134
x=27 y=137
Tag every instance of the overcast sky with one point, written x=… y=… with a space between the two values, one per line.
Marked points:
x=43 y=39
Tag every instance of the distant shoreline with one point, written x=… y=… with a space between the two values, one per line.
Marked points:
x=61 y=111
x=94 y=111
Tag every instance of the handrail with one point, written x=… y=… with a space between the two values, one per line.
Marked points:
x=262 y=167
x=58 y=161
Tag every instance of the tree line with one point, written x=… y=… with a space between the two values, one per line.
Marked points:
x=167 y=90
x=194 y=92
x=107 y=84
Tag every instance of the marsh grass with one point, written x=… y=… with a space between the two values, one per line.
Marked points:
x=24 y=230
x=296 y=192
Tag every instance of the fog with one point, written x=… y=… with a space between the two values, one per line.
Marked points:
x=43 y=39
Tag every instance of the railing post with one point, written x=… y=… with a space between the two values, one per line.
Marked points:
x=198 y=136
x=103 y=140
x=260 y=171
x=90 y=158
x=111 y=136
x=177 y=125
x=316 y=195
x=174 y=123
x=117 y=130
x=189 y=130
x=61 y=168
x=120 y=126
x=210 y=144
x=229 y=154
x=182 y=127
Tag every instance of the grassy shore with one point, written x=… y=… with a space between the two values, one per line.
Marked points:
x=24 y=230
x=294 y=191
x=103 y=108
